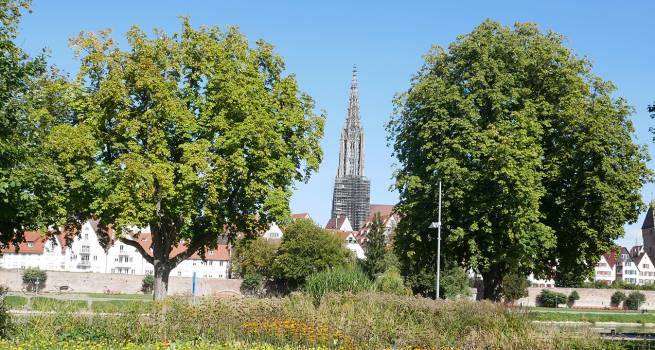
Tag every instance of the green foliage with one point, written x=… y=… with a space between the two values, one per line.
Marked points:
x=617 y=298
x=634 y=300
x=391 y=282
x=34 y=278
x=252 y=283
x=147 y=284
x=454 y=283
x=122 y=306
x=29 y=183
x=534 y=151
x=307 y=249
x=375 y=248
x=252 y=256
x=549 y=298
x=339 y=280
x=197 y=135
x=573 y=297
x=57 y=305
x=6 y=324
x=515 y=286
x=366 y=321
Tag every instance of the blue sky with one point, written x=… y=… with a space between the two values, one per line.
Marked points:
x=320 y=42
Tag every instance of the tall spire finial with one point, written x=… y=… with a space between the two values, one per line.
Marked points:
x=352 y=119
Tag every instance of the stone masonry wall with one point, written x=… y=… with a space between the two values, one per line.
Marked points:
x=84 y=282
x=588 y=296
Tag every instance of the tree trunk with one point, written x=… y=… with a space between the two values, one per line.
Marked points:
x=491 y=281
x=162 y=272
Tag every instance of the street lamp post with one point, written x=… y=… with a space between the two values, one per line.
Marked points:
x=437 y=225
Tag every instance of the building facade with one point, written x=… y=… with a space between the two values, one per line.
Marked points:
x=351 y=197
x=86 y=254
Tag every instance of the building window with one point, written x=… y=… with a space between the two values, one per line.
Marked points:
x=30 y=244
x=120 y=247
x=179 y=273
x=86 y=236
x=646 y=266
x=95 y=258
x=211 y=252
x=628 y=263
x=211 y=263
x=220 y=263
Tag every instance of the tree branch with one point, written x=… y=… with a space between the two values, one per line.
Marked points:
x=191 y=249
x=138 y=247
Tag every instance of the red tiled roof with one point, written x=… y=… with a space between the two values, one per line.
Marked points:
x=220 y=253
x=611 y=258
x=300 y=216
x=335 y=223
x=384 y=209
x=33 y=238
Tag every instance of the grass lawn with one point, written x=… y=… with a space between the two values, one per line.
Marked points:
x=593 y=316
x=15 y=301
x=121 y=306
x=49 y=304
x=120 y=296
x=580 y=310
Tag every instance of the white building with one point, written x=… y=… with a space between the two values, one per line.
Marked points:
x=86 y=254
x=605 y=270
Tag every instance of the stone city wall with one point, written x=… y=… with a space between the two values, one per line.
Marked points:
x=84 y=282
x=588 y=296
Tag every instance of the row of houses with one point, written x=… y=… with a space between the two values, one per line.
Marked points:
x=86 y=254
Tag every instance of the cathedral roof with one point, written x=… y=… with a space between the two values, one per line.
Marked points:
x=649 y=222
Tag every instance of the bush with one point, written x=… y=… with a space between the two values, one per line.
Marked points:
x=6 y=325
x=147 y=284
x=549 y=298
x=617 y=298
x=34 y=279
x=337 y=281
x=307 y=249
x=391 y=282
x=455 y=283
x=252 y=284
x=634 y=300
x=514 y=287
x=573 y=297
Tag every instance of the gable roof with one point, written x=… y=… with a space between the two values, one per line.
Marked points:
x=300 y=216
x=337 y=223
x=611 y=258
x=33 y=238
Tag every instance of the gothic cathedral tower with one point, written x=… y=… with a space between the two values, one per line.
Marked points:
x=352 y=190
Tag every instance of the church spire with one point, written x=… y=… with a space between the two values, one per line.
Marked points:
x=352 y=190
x=352 y=119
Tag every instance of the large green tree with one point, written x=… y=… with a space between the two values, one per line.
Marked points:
x=307 y=249
x=195 y=135
x=28 y=191
x=536 y=157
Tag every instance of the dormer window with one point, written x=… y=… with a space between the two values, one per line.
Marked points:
x=211 y=252
x=30 y=244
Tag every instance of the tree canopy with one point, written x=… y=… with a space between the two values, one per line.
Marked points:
x=27 y=180
x=307 y=249
x=375 y=248
x=195 y=135
x=535 y=154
